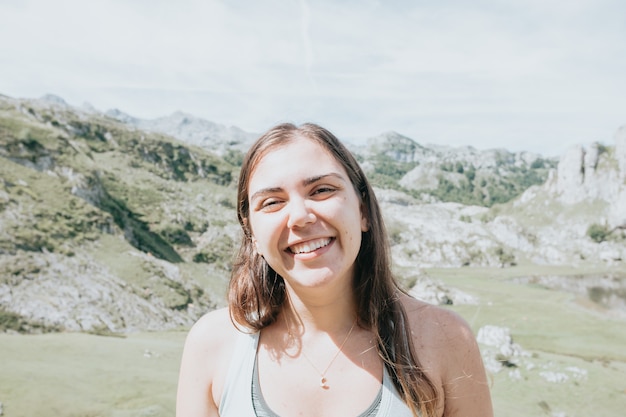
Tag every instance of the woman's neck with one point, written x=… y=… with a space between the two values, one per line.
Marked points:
x=332 y=316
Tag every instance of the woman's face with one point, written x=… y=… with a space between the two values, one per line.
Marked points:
x=305 y=215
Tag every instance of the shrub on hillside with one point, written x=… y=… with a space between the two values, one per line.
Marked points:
x=13 y=322
x=204 y=257
x=598 y=233
x=386 y=166
x=176 y=236
x=219 y=251
x=505 y=258
x=234 y=157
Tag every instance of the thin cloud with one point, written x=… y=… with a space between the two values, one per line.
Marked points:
x=511 y=74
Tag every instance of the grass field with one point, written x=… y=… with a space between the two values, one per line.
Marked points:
x=84 y=375
x=562 y=334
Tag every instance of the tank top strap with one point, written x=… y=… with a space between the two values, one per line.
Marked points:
x=391 y=404
x=236 y=399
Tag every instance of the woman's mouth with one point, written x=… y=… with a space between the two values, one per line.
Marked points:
x=309 y=246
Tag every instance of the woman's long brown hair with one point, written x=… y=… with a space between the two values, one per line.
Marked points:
x=257 y=292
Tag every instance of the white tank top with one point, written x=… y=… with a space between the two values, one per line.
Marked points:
x=237 y=396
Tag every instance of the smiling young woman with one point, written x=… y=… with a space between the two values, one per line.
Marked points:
x=305 y=218
x=316 y=324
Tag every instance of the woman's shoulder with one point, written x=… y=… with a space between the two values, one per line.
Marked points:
x=205 y=362
x=210 y=344
x=214 y=331
x=448 y=352
x=437 y=328
x=219 y=318
x=438 y=331
x=425 y=315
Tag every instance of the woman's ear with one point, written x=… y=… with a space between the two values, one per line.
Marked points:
x=256 y=245
x=365 y=224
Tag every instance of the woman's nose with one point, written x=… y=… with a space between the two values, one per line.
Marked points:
x=299 y=214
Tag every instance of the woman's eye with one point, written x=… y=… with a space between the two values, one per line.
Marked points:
x=270 y=204
x=323 y=190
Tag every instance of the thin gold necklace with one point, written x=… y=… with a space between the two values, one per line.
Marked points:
x=323 y=379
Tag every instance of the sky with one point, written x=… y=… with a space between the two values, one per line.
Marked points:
x=524 y=75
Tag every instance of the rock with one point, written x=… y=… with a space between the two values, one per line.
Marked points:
x=620 y=150
x=499 y=350
x=554 y=377
x=394 y=197
x=591 y=159
x=500 y=338
x=437 y=293
x=54 y=100
x=611 y=255
x=398 y=147
x=560 y=376
x=78 y=294
x=570 y=174
x=120 y=116
x=577 y=372
x=593 y=176
x=422 y=177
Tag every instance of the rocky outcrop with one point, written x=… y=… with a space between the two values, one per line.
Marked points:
x=597 y=173
x=81 y=294
x=500 y=353
x=620 y=151
x=435 y=292
x=464 y=174
x=397 y=147
x=570 y=173
x=442 y=234
x=422 y=177
x=498 y=350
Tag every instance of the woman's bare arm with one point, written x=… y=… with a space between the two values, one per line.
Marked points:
x=448 y=352
x=465 y=381
x=202 y=366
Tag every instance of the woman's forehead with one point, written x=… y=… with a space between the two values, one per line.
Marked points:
x=301 y=151
x=295 y=161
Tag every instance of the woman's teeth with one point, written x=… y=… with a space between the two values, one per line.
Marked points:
x=309 y=246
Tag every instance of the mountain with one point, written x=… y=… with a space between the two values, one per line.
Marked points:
x=192 y=130
x=577 y=215
x=105 y=226
x=109 y=223
x=465 y=175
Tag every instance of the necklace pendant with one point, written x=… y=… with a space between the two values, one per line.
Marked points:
x=323 y=382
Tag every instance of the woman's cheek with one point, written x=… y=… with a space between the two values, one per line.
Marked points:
x=266 y=231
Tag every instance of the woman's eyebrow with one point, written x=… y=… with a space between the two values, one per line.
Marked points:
x=312 y=180
x=306 y=182
x=263 y=191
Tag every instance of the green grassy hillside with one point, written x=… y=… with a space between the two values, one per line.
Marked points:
x=140 y=216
